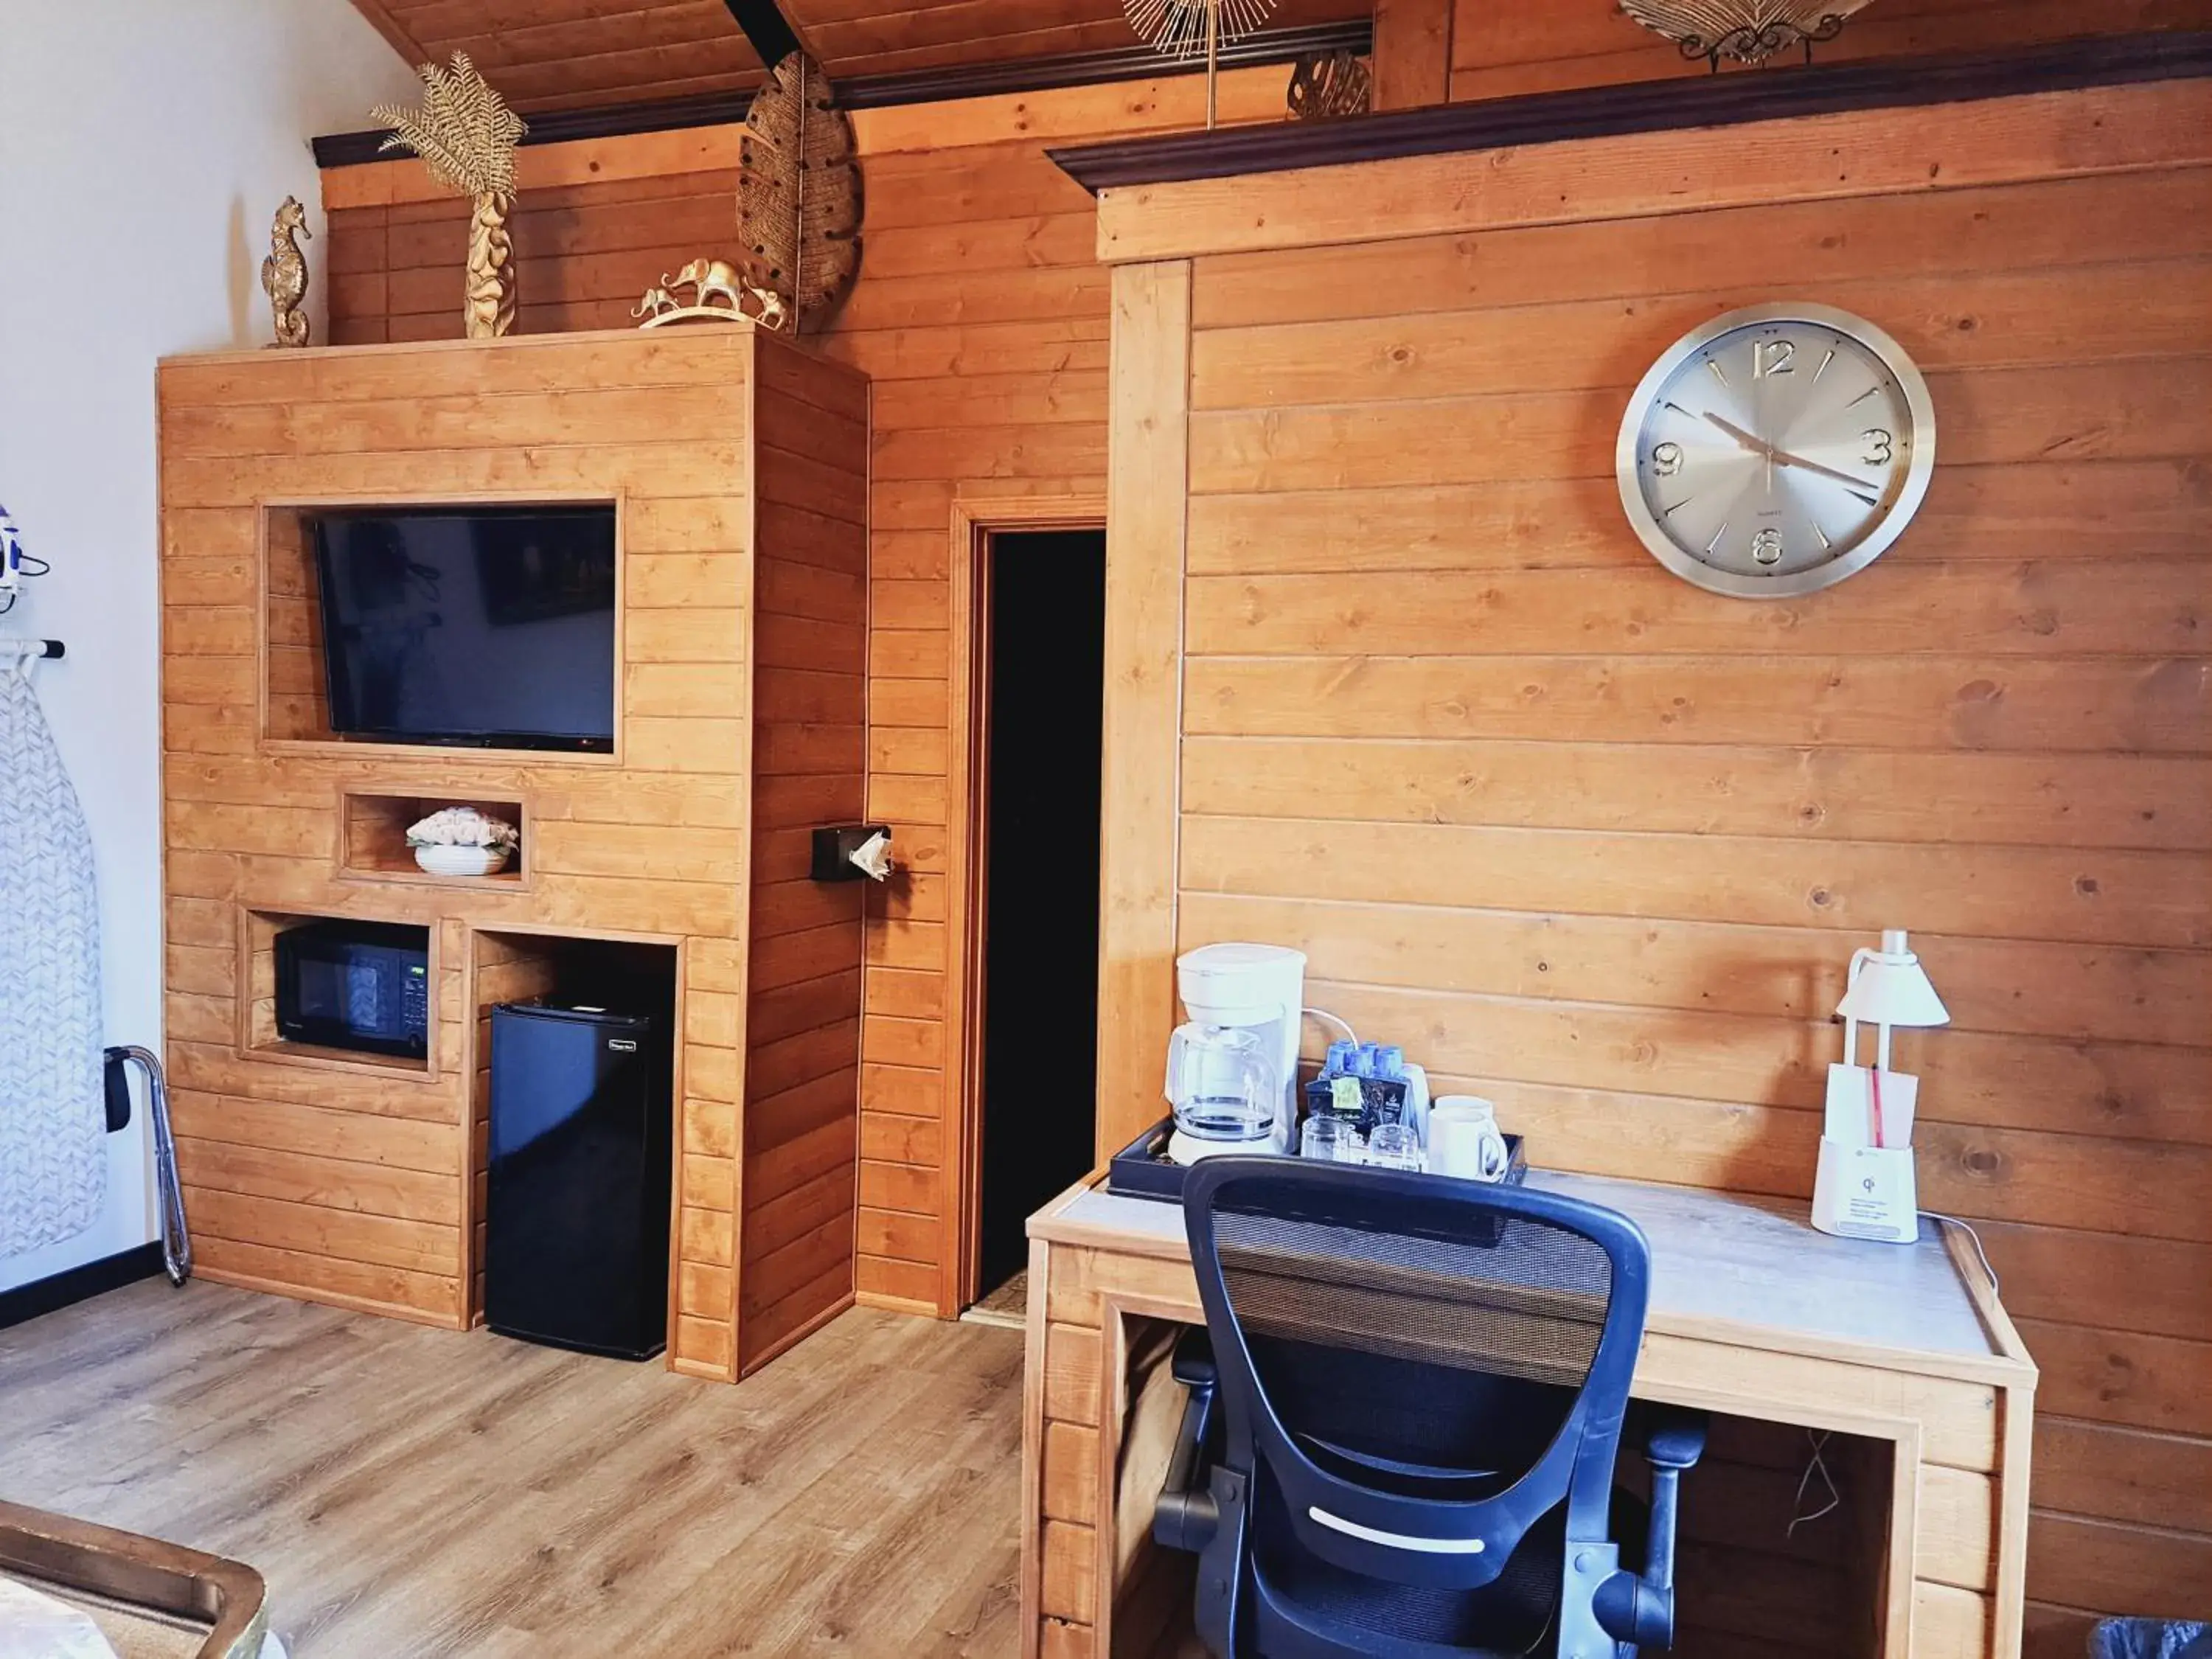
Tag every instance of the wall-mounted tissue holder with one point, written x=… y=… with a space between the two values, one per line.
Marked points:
x=847 y=852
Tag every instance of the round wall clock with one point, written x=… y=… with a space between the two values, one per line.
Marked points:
x=1775 y=450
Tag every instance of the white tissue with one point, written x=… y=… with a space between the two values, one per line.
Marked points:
x=872 y=857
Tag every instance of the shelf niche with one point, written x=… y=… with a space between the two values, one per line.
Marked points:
x=373 y=839
x=258 y=1037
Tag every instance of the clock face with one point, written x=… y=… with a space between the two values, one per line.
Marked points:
x=1775 y=450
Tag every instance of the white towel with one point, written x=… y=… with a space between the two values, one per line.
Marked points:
x=53 y=1165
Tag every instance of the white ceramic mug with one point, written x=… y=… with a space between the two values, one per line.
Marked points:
x=1465 y=1140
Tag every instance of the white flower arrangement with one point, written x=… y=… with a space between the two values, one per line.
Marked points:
x=465 y=826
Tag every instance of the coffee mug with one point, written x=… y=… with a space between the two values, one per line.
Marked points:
x=1465 y=1140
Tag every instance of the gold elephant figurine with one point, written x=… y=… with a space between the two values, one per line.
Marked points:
x=707 y=277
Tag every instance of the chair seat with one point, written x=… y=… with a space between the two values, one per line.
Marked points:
x=1305 y=1605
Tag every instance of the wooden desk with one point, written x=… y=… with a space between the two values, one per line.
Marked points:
x=1752 y=1314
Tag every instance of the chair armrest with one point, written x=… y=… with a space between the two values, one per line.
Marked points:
x=1641 y=1608
x=1187 y=1516
x=1674 y=1438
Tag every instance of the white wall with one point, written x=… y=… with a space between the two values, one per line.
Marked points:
x=144 y=145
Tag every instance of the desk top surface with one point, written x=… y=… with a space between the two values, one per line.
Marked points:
x=1722 y=1264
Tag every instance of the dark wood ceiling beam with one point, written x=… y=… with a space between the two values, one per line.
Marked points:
x=1081 y=68
x=767 y=27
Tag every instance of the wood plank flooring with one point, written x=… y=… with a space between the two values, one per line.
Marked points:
x=411 y=1492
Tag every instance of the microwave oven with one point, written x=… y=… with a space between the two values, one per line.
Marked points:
x=360 y=985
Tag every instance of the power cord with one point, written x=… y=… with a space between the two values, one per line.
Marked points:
x=1341 y=1025
x=1818 y=1465
x=1967 y=1228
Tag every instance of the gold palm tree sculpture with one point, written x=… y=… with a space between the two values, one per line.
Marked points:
x=465 y=135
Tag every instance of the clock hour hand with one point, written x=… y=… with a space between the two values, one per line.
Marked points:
x=1782 y=457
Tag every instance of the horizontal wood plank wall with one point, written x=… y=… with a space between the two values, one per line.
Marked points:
x=981 y=317
x=1499 y=51
x=355 y=1185
x=981 y=322
x=1598 y=845
x=802 y=1027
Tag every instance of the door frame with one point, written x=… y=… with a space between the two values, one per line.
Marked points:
x=976 y=520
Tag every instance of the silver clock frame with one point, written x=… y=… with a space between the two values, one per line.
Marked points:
x=1918 y=469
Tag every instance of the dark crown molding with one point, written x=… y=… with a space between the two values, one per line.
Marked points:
x=1714 y=101
x=559 y=126
x=1081 y=68
x=1087 y=69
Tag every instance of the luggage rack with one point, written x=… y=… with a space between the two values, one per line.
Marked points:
x=133 y=1582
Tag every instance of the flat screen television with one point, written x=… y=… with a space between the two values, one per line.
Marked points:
x=490 y=627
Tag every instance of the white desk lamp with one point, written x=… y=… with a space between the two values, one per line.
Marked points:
x=1865 y=1186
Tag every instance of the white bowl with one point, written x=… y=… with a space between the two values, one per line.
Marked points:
x=461 y=861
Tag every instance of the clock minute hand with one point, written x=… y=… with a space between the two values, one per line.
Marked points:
x=1760 y=447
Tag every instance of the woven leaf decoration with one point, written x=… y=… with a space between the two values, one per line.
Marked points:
x=1750 y=31
x=465 y=132
x=799 y=192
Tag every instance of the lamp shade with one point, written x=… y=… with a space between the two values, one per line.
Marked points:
x=1889 y=987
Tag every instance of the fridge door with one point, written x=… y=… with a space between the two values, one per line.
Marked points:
x=576 y=1237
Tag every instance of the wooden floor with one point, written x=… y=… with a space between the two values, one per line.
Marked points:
x=409 y=1492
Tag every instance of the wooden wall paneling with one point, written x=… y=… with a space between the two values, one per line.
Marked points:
x=652 y=843
x=1412 y=56
x=1501 y=50
x=2104 y=130
x=982 y=324
x=1145 y=600
x=1529 y=835
x=799 y=1021
x=992 y=205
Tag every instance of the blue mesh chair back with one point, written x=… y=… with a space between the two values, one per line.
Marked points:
x=1422 y=1385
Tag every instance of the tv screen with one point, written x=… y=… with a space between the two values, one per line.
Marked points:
x=490 y=626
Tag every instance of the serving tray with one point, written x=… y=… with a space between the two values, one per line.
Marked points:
x=1143 y=1169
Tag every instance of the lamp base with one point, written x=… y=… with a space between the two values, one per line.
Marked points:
x=1866 y=1192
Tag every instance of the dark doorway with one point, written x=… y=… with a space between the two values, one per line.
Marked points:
x=1045 y=622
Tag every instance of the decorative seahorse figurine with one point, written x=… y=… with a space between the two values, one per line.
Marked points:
x=284 y=273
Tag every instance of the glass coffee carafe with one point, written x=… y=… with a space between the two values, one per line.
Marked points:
x=1227 y=1095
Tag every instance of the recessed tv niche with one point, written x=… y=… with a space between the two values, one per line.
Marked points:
x=487 y=627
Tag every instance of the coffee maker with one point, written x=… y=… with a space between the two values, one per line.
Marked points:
x=1232 y=1070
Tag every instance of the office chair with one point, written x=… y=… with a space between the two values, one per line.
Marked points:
x=1401 y=1442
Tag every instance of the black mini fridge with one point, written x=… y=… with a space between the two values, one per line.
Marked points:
x=576 y=1220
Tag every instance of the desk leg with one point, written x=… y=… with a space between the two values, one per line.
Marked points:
x=1035 y=1360
x=2009 y=1607
x=1080 y=1446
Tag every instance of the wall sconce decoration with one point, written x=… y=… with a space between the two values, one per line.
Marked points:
x=1749 y=31
x=1183 y=29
